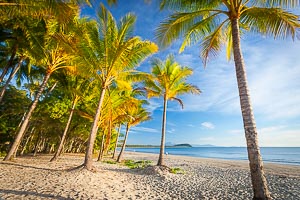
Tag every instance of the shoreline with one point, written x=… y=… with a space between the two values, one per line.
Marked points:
x=131 y=149
x=30 y=177
x=275 y=168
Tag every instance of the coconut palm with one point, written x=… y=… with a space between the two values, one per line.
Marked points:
x=168 y=80
x=76 y=87
x=50 y=55
x=107 y=50
x=135 y=114
x=214 y=23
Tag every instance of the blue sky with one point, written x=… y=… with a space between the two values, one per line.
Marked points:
x=214 y=117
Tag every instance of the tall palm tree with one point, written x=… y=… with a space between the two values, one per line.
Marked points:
x=217 y=22
x=109 y=49
x=168 y=80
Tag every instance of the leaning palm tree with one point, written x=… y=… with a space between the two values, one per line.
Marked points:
x=50 y=56
x=217 y=22
x=135 y=114
x=168 y=80
x=109 y=49
x=76 y=87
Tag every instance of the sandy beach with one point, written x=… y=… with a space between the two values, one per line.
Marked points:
x=36 y=178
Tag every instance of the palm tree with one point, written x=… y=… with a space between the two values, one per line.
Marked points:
x=135 y=114
x=76 y=86
x=51 y=56
x=168 y=80
x=217 y=22
x=109 y=49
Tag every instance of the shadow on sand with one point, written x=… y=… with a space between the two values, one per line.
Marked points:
x=28 y=166
x=19 y=192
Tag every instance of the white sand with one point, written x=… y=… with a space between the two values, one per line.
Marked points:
x=37 y=178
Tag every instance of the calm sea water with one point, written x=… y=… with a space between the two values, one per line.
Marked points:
x=283 y=155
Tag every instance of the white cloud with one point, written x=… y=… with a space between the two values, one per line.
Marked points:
x=279 y=136
x=171 y=124
x=172 y=130
x=208 y=125
x=271 y=136
x=139 y=129
x=191 y=125
x=154 y=104
x=273 y=78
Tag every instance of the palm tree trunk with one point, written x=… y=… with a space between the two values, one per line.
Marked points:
x=12 y=74
x=163 y=134
x=108 y=138
x=116 y=145
x=124 y=144
x=10 y=62
x=101 y=148
x=27 y=140
x=88 y=161
x=21 y=131
x=62 y=141
x=259 y=182
x=37 y=144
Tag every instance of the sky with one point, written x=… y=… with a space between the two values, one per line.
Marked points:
x=214 y=116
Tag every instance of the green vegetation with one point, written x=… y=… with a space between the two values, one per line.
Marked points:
x=176 y=170
x=137 y=164
x=77 y=79
x=110 y=161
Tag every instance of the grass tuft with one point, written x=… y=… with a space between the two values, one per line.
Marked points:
x=110 y=161
x=177 y=170
x=137 y=164
x=2 y=154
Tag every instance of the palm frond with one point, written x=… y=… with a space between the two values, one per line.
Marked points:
x=212 y=44
x=199 y=30
x=179 y=101
x=278 y=3
x=176 y=25
x=183 y=5
x=271 y=21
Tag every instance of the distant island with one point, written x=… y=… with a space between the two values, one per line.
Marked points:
x=182 y=145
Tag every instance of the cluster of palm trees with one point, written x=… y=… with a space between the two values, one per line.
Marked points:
x=82 y=71
x=82 y=68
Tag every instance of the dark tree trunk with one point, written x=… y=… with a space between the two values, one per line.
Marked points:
x=259 y=182
x=27 y=140
x=61 y=144
x=22 y=129
x=163 y=134
x=88 y=161
x=101 y=148
x=108 y=138
x=36 y=146
x=10 y=62
x=124 y=144
x=11 y=76
x=116 y=145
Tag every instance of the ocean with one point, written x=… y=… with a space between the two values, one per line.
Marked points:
x=282 y=155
